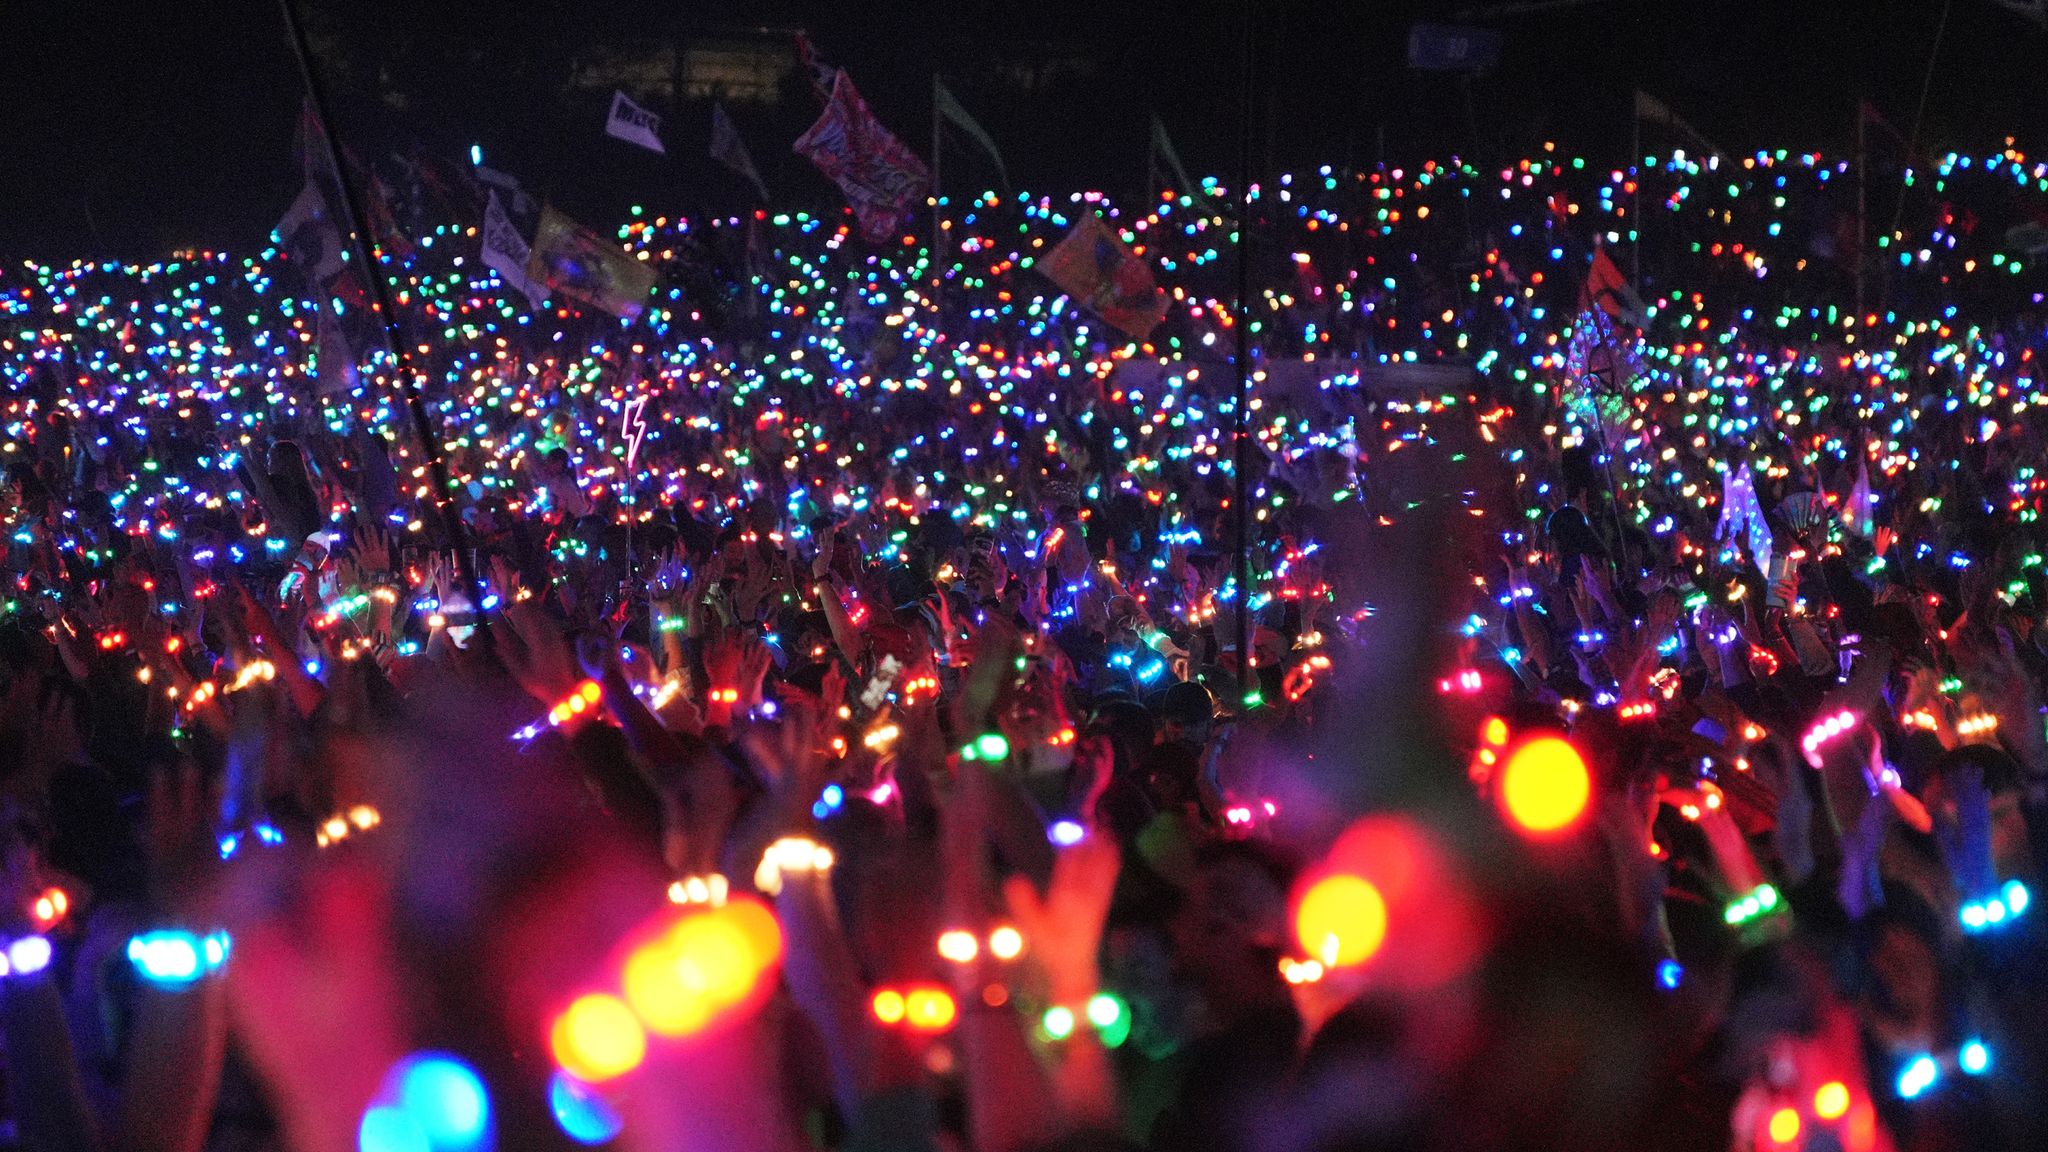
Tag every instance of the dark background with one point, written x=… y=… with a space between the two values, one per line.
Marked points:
x=132 y=129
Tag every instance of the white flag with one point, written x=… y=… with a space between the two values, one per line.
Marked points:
x=728 y=149
x=634 y=124
x=505 y=251
x=1740 y=512
x=1859 y=511
x=307 y=233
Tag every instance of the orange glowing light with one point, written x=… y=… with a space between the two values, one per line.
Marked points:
x=1545 y=786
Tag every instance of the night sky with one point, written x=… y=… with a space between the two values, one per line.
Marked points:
x=132 y=129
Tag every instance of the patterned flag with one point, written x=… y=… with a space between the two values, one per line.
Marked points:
x=506 y=251
x=581 y=265
x=728 y=149
x=882 y=179
x=633 y=124
x=1095 y=268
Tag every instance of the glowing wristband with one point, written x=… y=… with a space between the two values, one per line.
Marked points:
x=797 y=854
x=429 y=1101
x=990 y=746
x=918 y=1007
x=171 y=958
x=1996 y=910
x=25 y=956
x=1825 y=732
x=49 y=908
x=265 y=833
x=573 y=706
x=339 y=827
x=1922 y=1072
x=709 y=890
x=962 y=947
x=1760 y=901
x=1106 y=1012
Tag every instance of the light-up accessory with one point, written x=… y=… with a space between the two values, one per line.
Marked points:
x=574 y=706
x=710 y=889
x=918 y=1007
x=688 y=972
x=581 y=1113
x=173 y=958
x=1106 y=1012
x=989 y=746
x=1763 y=900
x=339 y=827
x=25 y=956
x=1989 y=912
x=1825 y=731
x=428 y=1102
x=263 y=832
x=962 y=947
x=49 y=908
x=1341 y=920
x=795 y=854
x=1544 y=787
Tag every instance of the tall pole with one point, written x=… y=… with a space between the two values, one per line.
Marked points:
x=380 y=302
x=937 y=247
x=1242 y=456
x=1862 y=205
x=1635 y=206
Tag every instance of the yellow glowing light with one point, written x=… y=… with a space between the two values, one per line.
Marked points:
x=1341 y=920
x=1545 y=786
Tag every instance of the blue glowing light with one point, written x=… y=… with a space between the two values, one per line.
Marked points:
x=581 y=1112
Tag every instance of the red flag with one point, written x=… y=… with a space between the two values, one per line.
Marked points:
x=1607 y=289
x=1095 y=268
x=882 y=179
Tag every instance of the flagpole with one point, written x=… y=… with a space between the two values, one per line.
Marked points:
x=1635 y=207
x=1241 y=456
x=1862 y=206
x=938 y=242
x=380 y=300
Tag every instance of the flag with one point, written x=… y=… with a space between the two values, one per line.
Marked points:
x=947 y=108
x=1859 y=509
x=1655 y=111
x=634 y=124
x=1162 y=149
x=1740 y=512
x=309 y=238
x=578 y=263
x=1095 y=268
x=522 y=204
x=337 y=360
x=881 y=178
x=310 y=233
x=728 y=149
x=821 y=74
x=506 y=252
x=1608 y=290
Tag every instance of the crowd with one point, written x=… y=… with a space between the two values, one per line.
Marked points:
x=1630 y=734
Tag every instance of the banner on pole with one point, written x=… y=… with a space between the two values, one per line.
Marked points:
x=880 y=177
x=728 y=149
x=506 y=252
x=1094 y=267
x=579 y=264
x=633 y=124
x=945 y=107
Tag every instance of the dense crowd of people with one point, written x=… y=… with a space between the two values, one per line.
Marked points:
x=1603 y=714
